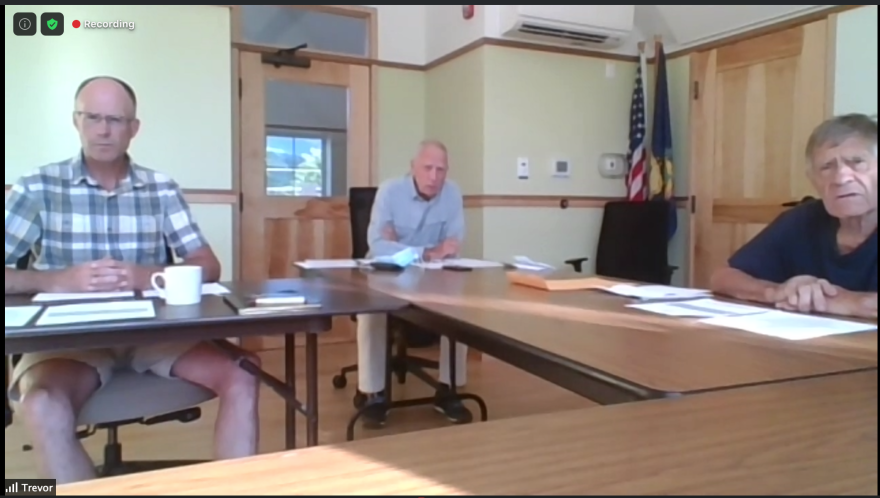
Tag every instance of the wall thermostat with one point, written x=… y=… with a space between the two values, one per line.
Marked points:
x=612 y=165
x=561 y=168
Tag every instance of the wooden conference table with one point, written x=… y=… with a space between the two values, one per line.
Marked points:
x=814 y=436
x=214 y=319
x=590 y=343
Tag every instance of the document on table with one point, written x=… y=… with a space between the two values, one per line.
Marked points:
x=656 y=291
x=19 y=316
x=526 y=263
x=45 y=297
x=329 y=264
x=790 y=326
x=211 y=289
x=698 y=308
x=97 y=312
x=462 y=262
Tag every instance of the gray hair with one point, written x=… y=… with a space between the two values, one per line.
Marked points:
x=427 y=144
x=839 y=129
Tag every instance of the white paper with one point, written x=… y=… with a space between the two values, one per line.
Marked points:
x=326 y=264
x=789 y=326
x=211 y=289
x=19 y=316
x=462 y=262
x=97 y=312
x=525 y=263
x=698 y=308
x=45 y=297
x=656 y=292
x=472 y=263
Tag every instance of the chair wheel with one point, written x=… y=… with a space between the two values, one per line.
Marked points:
x=339 y=381
x=359 y=400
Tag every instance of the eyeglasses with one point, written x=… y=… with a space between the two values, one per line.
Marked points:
x=91 y=119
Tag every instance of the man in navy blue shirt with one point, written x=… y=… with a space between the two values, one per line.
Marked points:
x=820 y=256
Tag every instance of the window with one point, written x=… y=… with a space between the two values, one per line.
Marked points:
x=297 y=164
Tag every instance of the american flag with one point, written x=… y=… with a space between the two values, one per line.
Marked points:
x=637 y=157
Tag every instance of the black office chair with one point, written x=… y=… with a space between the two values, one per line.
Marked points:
x=360 y=204
x=174 y=400
x=633 y=243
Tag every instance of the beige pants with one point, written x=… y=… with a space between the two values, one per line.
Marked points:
x=156 y=358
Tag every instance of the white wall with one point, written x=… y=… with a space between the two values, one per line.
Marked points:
x=178 y=61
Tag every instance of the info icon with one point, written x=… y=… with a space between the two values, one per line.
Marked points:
x=24 y=24
x=52 y=23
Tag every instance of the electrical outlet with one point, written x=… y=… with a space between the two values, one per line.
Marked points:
x=522 y=168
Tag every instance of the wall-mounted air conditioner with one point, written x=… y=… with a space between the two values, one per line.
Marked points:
x=587 y=26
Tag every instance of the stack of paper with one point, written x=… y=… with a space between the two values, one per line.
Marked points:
x=698 y=308
x=789 y=326
x=97 y=312
x=45 y=297
x=656 y=292
x=525 y=263
x=461 y=262
x=19 y=316
x=211 y=289
x=327 y=264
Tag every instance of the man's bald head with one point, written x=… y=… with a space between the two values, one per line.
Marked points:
x=429 y=167
x=105 y=115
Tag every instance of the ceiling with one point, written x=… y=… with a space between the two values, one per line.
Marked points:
x=681 y=26
x=687 y=25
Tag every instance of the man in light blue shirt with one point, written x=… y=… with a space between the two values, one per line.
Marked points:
x=425 y=212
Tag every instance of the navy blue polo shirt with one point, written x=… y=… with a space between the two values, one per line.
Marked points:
x=803 y=241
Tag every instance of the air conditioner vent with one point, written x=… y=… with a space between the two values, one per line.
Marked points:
x=563 y=34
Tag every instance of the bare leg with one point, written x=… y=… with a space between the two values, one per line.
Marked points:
x=236 y=433
x=52 y=394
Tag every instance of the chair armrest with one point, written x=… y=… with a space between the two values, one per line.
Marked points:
x=577 y=263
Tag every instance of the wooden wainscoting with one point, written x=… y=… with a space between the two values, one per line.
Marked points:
x=320 y=230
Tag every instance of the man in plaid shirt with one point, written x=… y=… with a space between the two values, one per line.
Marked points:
x=95 y=223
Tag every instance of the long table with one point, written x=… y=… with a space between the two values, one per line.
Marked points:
x=814 y=436
x=214 y=319
x=590 y=343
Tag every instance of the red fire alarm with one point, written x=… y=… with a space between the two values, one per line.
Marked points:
x=467 y=11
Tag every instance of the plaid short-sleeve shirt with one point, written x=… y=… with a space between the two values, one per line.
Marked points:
x=63 y=217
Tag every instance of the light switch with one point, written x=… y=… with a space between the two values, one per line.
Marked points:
x=522 y=168
x=610 y=69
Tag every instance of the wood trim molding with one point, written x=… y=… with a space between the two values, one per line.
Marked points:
x=522 y=45
x=230 y=197
x=546 y=201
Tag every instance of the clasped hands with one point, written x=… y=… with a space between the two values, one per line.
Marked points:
x=808 y=294
x=106 y=275
x=446 y=249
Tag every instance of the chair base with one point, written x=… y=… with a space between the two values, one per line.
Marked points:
x=415 y=366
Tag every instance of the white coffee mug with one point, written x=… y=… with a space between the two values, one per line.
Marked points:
x=182 y=285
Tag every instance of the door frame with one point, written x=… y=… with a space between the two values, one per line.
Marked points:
x=254 y=75
x=239 y=48
x=702 y=132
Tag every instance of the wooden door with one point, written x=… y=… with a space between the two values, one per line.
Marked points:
x=305 y=140
x=755 y=105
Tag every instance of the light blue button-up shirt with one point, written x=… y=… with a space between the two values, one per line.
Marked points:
x=417 y=223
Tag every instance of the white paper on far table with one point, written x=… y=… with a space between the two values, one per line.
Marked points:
x=19 y=316
x=790 y=326
x=698 y=308
x=327 y=264
x=45 y=297
x=656 y=291
x=211 y=289
x=97 y=312
x=526 y=263
x=472 y=263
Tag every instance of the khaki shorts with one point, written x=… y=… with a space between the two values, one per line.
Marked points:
x=157 y=358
